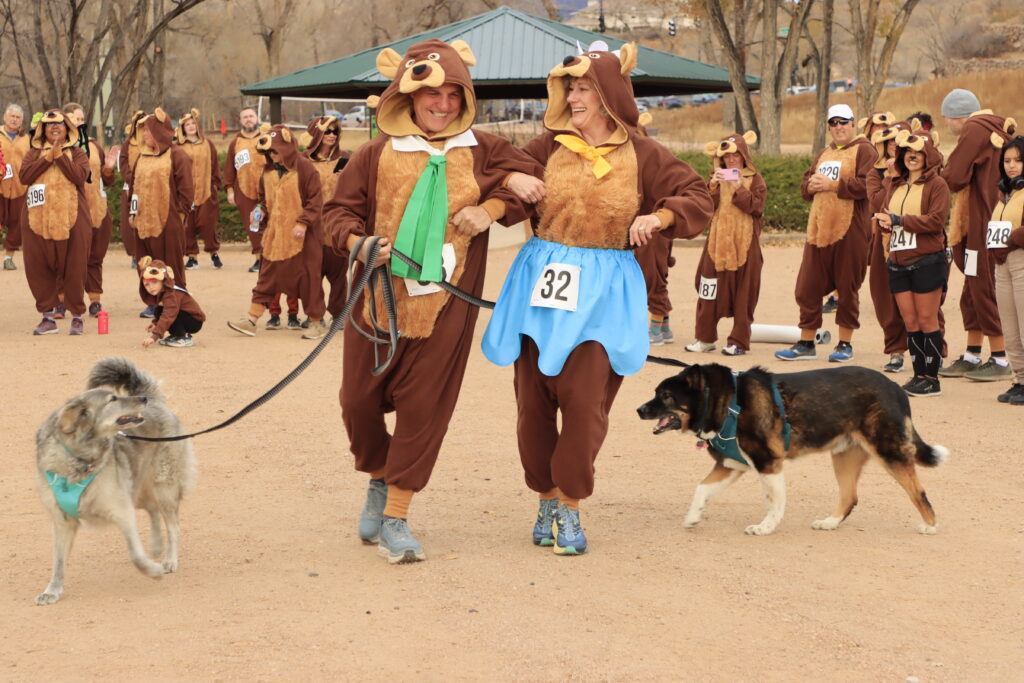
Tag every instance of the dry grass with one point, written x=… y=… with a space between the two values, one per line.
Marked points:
x=691 y=127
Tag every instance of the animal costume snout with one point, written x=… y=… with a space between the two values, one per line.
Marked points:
x=568 y=60
x=418 y=70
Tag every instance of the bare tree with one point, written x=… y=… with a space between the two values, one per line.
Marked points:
x=870 y=20
x=822 y=57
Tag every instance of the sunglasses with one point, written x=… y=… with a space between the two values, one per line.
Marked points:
x=331 y=131
x=832 y=123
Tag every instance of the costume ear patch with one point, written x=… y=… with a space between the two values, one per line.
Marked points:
x=373 y=101
x=863 y=123
x=997 y=140
x=915 y=124
x=195 y=114
x=934 y=135
x=645 y=119
x=388 y=62
x=144 y=261
x=711 y=149
x=627 y=55
x=461 y=48
x=1010 y=126
x=160 y=115
x=286 y=135
x=305 y=139
x=170 y=272
x=750 y=137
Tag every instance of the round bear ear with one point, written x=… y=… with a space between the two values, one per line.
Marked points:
x=711 y=149
x=750 y=137
x=170 y=272
x=373 y=101
x=160 y=115
x=915 y=124
x=863 y=123
x=461 y=48
x=934 y=135
x=645 y=119
x=388 y=62
x=195 y=114
x=627 y=57
x=144 y=261
x=304 y=139
x=286 y=135
x=997 y=140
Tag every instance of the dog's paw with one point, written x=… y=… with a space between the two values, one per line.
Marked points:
x=151 y=569
x=924 y=528
x=47 y=598
x=170 y=566
x=691 y=521
x=759 y=529
x=827 y=524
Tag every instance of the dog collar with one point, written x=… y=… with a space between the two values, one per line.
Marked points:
x=68 y=493
x=84 y=467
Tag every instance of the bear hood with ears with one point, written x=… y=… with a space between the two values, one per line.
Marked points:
x=314 y=136
x=193 y=115
x=920 y=141
x=280 y=140
x=156 y=270
x=428 y=64
x=881 y=137
x=731 y=144
x=133 y=125
x=54 y=116
x=609 y=72
x=159 y=126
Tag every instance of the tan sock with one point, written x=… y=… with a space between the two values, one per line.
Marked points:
x=571 y=503
x=398 y=502
x=550 y=495
x=846 y=334
x=379 y=473
x=9 y=254
x=256 y=310
x=94 y=297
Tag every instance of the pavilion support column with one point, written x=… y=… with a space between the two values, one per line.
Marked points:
x=275 y=109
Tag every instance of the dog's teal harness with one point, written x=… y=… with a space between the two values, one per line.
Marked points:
x=68 y=493
x=725 y=441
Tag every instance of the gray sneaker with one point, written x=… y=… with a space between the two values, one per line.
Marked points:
x=1014 y=390
x=9 y=263
x=373 y=511
x=666 y=334
x=895 y=363
x=654 y=335
x=958 y=368
x=989 y=371
x=397 y=543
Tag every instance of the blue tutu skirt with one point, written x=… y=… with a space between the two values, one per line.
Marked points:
x=611 y=309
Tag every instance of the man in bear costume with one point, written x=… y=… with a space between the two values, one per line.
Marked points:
x=202 y=218
x=242 y=170
x=59 y=230
x=14 y=146
x=292 y=240
x=128 y=154
x=388 y=188
x=572 y=314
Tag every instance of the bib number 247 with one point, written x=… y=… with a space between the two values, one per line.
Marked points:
x=557 y=287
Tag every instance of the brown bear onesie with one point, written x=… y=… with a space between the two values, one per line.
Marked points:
x=102 y=177
x=12 y=192
x=170 y=303
x=422 y=383
x=161 y=180
x=329 y=167
x=202 y=218
x=728 y=278
x=126 y=158
x=243 y=169
x=59 y=225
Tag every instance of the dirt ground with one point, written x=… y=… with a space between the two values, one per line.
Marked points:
x=274 y=583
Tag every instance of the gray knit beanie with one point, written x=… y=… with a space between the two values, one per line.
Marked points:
x=959 y=104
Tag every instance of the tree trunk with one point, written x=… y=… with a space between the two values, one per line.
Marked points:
x=737 y=77
x=871 y=75
x=824 y=77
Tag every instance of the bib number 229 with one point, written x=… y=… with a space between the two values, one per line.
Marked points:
x=557 y=287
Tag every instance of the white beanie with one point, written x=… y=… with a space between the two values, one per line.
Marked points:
x=959 y=104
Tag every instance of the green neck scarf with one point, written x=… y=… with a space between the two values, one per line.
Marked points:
x=421 y=232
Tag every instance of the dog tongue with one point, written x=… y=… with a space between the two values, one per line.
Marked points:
x=663 y=423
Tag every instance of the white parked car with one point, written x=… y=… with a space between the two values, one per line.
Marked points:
x=356 y=116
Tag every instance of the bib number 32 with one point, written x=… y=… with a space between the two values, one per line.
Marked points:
x=557 y=287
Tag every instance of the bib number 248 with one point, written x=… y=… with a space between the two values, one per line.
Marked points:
x=557 y=287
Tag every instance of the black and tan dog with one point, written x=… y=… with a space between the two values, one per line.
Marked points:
x=852 y=413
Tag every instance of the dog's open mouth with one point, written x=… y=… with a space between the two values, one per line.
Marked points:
x=668 y=423
x=130 y=420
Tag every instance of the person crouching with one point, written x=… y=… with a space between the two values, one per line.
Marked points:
x=176 y=313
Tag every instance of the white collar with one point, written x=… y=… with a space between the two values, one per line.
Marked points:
x=417 y=143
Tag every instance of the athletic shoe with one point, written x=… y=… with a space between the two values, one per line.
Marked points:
x=697 y=346
x=1014 y=390
x=568 y=532
x=215 y=258
x=798 y=351
x=9 y=263
x=989 y=371
x=255 y=267
x=148 y=312
x=94 y=308
x=666 y=334
x=134 y=263
x=293 y=323
x=843 y=353
x=47 y=326
x=958 y=367
x=373 y=511
x=542 y=534
x=77 y=327
x=397 y=543
x=243 y=325
x=895 y=363
x=274 y=322
x=654 y=335
x=733 y=350
x=191 y=263
x=178 y=342
x=59 y=311
x=924 y=386
x=1017 y=400
x=316 y=330
x=831 y=305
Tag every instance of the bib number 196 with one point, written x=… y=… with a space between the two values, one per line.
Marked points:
x=36 y=196
x=557 y=287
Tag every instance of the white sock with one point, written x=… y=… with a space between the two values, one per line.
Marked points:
x=1001 y=361
x=971 y=358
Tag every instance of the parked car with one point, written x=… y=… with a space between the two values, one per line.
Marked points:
x=897 y=84
x=356 y=116
x=705 y=98
x=672 y=102
x=641 y=106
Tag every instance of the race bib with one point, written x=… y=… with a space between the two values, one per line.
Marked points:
x=242 y=158
x=9 y=173
x=708 y=289
x=557 y=287
x=36 y=195
x=901 y=240
x=133 y=208
x=124 y=188
x=971 y=262
x=103 y=191
x=830 y=169
x=998 y=234
x=417 y=288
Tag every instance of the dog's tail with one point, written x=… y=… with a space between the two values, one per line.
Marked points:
x=929 y=456
x=121 y=375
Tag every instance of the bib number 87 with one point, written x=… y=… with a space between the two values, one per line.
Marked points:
x=557 y=287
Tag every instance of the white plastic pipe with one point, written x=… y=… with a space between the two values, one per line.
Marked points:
x=784 y=334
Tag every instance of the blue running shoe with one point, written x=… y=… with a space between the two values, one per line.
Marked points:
x=373 y=511
x=654 y=335
x=843 y=353
x=569 y=538
x=397 y=543
x=798 y=351
x=542 y=534
x=666 y=333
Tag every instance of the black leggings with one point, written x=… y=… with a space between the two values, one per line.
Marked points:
x=183 y=325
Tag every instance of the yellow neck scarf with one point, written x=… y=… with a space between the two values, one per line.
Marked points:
x=601 y=166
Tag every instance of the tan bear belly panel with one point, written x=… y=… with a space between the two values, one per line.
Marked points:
x=328 y=183
x=905 y=201
x=249 y=174
x=94 y=190
x=152 y=184
x=199 y=153
x=731 y=231
x=830 y=216
x=284 y=206
x=54 y=218
x=960 y=215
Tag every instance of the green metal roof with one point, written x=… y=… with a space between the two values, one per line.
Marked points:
x=514 y=53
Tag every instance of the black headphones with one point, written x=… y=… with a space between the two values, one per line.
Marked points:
x=1008 y=185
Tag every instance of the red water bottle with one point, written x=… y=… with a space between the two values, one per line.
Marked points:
x=103 y=323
